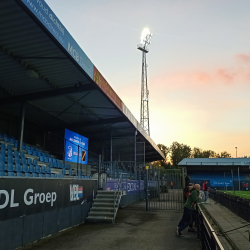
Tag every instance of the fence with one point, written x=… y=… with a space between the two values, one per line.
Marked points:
x=134 y=171
x=206 y=233
x=237 y=205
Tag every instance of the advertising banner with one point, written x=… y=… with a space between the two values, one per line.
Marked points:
x=216 y=183
x=76 y=147
x=20 y=197
x=130 y=186
x=47 y=17
x=103 y=84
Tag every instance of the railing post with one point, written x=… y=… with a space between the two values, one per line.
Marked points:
x=147 y=188
x=99 y=172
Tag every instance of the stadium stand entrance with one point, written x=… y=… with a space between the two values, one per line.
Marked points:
x=165 y=189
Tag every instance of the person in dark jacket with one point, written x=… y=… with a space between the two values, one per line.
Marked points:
x=189 y=207
x=205 y=189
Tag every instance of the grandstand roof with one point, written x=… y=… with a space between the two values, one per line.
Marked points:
x=42 y=65
x=215 y=162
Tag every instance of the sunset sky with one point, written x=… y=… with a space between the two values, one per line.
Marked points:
x=198 y=64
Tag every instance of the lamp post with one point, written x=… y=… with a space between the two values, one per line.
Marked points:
x=236 y=151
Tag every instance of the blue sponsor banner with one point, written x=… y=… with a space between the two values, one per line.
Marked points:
x=215 y=183
x=76 y=147
x=130 y=186
x=48 y=18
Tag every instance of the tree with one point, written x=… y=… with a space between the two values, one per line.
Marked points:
x=178 y=152
x=224 y=154
x=162 y=163
x=164 y=149
x=199 y=153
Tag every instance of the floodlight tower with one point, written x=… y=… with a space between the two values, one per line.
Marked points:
x=143 y=46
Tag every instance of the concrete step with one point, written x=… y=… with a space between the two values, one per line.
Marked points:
x=101 y=213
x=105 y=196
x=105 y=192
x=102 y=204
x=102 y=209
x=105 y=200
x=99 y=219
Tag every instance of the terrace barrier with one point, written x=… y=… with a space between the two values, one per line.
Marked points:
x=206 y=233
x=236 y=204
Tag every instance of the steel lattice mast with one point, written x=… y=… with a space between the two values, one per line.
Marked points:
x=144 y=121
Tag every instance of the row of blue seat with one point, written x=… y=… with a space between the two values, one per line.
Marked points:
x=16 y=159
x=46 y=175
x=28 y=168
x=20 y=174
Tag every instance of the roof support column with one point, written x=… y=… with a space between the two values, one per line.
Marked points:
x=111 y=146
x=135 y=152
x=20 y=137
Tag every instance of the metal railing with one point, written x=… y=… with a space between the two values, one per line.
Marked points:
x=206 y=233
x=118 y=194
x=236 y=204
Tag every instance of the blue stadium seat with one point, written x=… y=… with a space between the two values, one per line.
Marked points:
x=17 y=160
x=34 y=161
x=43 y=170
x=70 y=172
x=22 y=155
x=11 y=140
x=19 y=174
x=30 y=152
x=37 y=169
x=34 y=153
x=41 y=158
x=32 y=169
x=18 y=167
x=9 y=147
x=52 y=175
x=16 y=153
x=6 y=139
x=46 y=160
x=47 y=176
x=27 y=175
x=30 y=162
x=41 y=175
x=23 y=161
x=11 y=174
x=2 y=158
x=25 y=168
x=10 y=167
x=34 y=174
x=48 y=170
x=2 y=173
x=2 y=166
x=63 y=171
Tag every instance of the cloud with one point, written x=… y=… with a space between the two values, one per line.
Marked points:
x=225 y=76
x=244 y=58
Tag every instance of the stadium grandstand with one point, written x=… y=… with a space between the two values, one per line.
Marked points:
x=50 y=84
x=62 y=127
x=220 y=173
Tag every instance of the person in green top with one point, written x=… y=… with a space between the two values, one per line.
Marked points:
x=189 y=207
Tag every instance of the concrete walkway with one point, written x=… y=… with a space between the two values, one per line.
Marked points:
x=226 y=220
x=134 y=229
